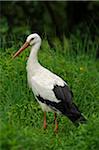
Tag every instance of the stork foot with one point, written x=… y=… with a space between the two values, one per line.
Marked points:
x=44 y=126
x=56 y=128
x=56 y=123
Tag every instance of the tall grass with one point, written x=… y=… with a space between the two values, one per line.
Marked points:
x=21 y=117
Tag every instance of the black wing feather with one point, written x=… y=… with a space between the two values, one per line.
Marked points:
x=65 y=106
x=63 y=93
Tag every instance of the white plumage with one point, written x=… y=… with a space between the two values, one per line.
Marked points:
x=43 y=84
x=40 y=79
x=52 y=92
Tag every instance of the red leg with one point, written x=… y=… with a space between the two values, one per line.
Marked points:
x=45 y=124
x=56 y=123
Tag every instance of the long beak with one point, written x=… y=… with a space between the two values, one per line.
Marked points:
x=25 y=45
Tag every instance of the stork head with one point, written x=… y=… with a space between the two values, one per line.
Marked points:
x=31 y=40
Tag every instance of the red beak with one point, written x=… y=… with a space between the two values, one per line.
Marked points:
x=25 y=45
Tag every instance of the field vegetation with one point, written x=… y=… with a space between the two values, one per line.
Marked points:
x=21 y=118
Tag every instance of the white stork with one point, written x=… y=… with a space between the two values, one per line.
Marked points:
x=51 y=92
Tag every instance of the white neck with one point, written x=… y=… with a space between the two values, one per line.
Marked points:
x=32 y=63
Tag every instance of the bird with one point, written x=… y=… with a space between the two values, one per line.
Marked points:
x=51 y=91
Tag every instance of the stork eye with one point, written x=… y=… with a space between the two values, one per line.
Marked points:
x=32 y=39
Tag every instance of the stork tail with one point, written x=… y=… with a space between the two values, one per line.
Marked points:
x=75 y=116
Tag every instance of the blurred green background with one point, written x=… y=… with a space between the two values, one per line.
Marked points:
x=49 y=19
x=70 y=48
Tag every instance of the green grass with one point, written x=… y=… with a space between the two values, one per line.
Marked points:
x=21 y=118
